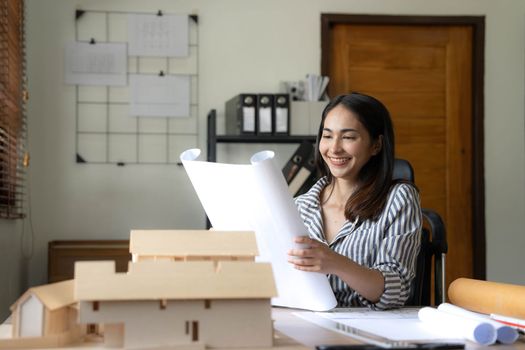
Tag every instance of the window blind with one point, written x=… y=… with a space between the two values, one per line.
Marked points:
x=13 y=123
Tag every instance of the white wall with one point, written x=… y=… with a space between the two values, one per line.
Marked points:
x=248 y=46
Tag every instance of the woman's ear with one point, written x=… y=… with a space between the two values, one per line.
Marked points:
x=377 y=145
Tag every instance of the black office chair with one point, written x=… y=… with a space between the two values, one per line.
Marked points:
x=433 y=247
x=403 y=170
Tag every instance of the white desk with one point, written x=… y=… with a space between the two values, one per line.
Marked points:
x=294 y=333
x=306 y=335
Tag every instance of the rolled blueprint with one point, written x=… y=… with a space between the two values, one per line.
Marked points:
x=504 y=334
x=479 y=332
x=488 y=297
x=255 y=197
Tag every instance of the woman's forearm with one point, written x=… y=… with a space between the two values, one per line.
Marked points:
x=369 y=283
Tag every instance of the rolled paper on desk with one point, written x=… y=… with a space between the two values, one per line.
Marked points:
x=488 y=297
x=504 y=334
x=479 y=332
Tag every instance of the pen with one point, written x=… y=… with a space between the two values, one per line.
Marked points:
x=509 y=321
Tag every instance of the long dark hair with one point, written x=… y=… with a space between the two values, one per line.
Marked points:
x=375 y=177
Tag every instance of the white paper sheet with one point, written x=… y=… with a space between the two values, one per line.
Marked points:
x=95 y=64
x=473 y=330
x=152 y=35
x=281 y=119
x=265 y=119
x=505 y=334
x=255 y=197
x=248 y=121
x=394 y=325
x=159 y=96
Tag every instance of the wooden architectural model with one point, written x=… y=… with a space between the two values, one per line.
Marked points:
x=183 y=289
x=45 y=316
x=178 y=303
x=188 y=245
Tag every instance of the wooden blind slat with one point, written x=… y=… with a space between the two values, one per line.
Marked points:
x=13 y=123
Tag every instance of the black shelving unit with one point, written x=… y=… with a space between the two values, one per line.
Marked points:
x=213 y=138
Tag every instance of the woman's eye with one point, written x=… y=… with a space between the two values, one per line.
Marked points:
x=327 y=136
x=349 y=137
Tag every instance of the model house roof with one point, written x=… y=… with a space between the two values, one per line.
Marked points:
x=184 y=243
x=53 y=296
x=98 y=281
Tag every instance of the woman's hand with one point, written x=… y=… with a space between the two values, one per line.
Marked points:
x=318 y=257
x=314 y=256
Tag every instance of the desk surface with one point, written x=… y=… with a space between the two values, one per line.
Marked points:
x=301 y=334
x=293 y=333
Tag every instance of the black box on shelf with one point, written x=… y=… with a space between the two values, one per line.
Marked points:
x=241 y=115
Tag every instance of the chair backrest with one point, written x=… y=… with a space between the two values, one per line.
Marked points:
x=433 y=249
x=403 y=170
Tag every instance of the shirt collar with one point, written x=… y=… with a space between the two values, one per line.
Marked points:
x=313 y=196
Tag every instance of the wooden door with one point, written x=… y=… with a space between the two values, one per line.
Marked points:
x=423 y=74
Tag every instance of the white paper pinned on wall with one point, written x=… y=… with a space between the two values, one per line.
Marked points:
x=154 y=35
x=159 y=96
x=95 y=64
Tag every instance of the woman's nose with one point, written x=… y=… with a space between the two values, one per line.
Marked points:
x=336 y=144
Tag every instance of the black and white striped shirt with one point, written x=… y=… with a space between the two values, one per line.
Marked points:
x=389 y=244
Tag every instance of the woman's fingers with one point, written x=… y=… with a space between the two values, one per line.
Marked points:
x=300 y=252
x=306 y=240
x=303 y=261
x=313 y=268
x=308 y=249
x=305 y=264
x=308 y=257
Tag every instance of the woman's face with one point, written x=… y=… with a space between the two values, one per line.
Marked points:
x=345 y=144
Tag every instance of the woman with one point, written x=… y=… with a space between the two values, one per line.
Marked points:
x=364 y=227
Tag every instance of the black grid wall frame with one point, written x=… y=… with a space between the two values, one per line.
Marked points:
x=106 y=132
x=13 y=94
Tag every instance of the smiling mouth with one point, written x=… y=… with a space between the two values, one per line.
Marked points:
x=339 y=160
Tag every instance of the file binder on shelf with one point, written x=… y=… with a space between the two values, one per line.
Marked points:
x=281 y=104
x=309 y=168
x=265 y=114
x=297 y=171
x=241 y=115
